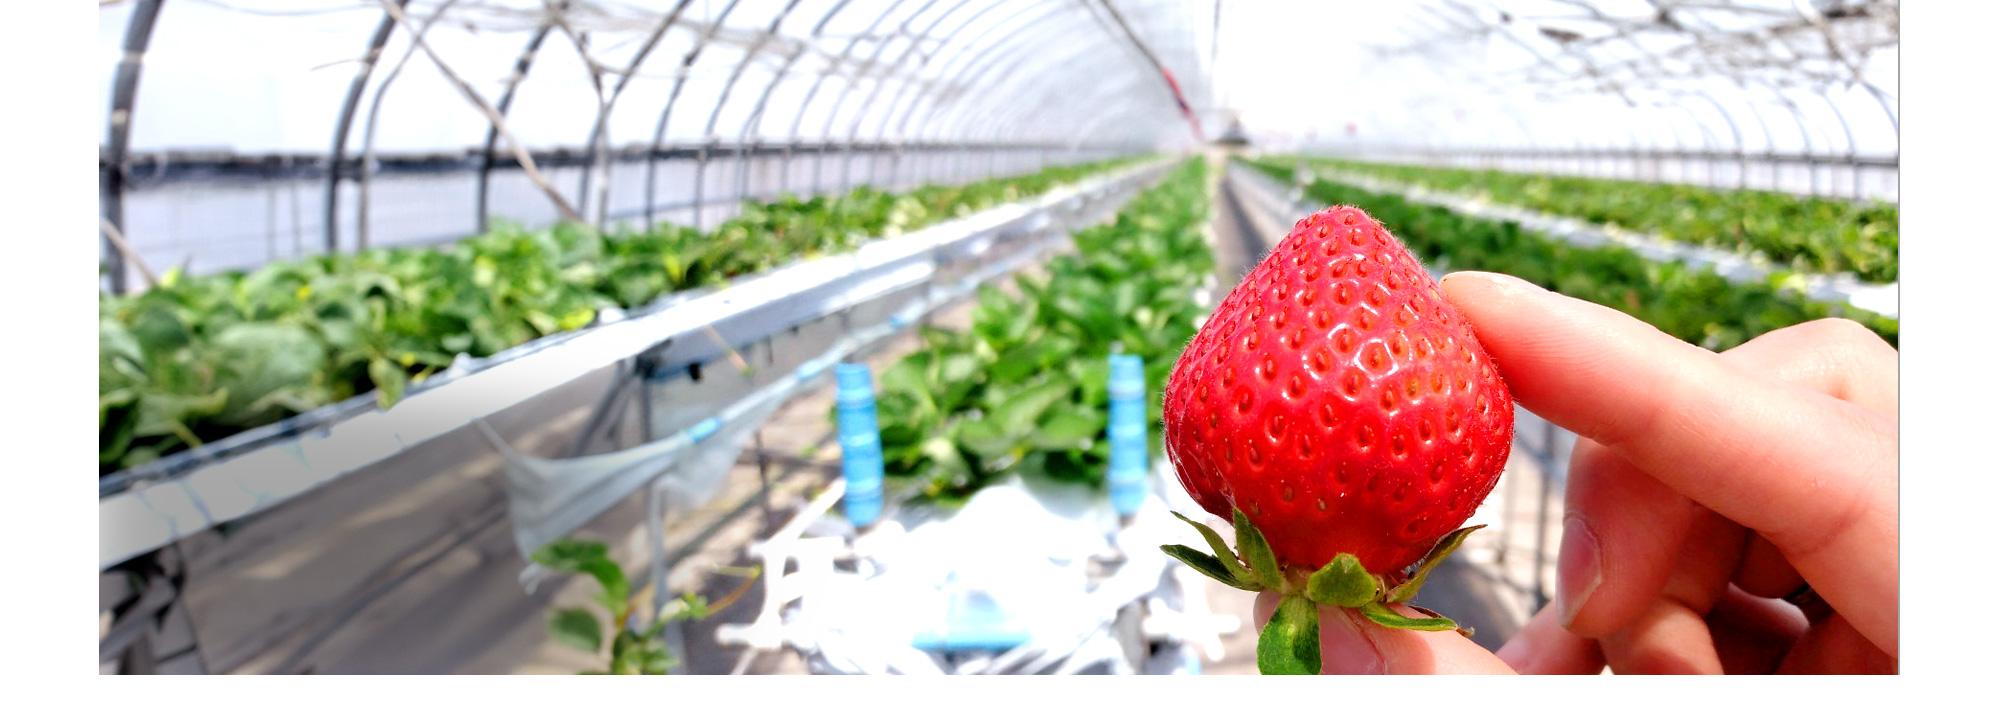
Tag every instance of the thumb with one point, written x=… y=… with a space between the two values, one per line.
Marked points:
x=1350 y=644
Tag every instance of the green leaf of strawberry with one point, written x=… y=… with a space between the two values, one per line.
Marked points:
x=1207 y=564
x=1381 y=614
x=1343 y=582
x=1257 y=552
x=1226 y=557
x=1289 y=644
x=1451 y=542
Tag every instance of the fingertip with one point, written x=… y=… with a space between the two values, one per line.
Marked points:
x=1481 y=289
x=1262 y=609
x=1350 y=644
x=1544 y=647
x=1344 y=649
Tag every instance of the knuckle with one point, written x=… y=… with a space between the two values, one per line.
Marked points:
x=1842 y=333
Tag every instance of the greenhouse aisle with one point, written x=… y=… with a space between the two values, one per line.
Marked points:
x=802 y=459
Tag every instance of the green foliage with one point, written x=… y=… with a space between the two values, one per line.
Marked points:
x=197 y=359
x=1807 y=234
x=1024 y=389
x=634 y=650
x=1695 y=305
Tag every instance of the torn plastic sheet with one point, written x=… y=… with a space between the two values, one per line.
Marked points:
x=1023 y=579
x=550 y=498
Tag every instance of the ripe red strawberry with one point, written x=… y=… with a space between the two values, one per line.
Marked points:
x=1340 y=411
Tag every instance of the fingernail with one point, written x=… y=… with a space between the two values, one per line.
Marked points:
x=1343 y=648
x=1578 y=567
x=1500 y=283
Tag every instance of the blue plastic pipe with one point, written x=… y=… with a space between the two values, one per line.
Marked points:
x=860 y=443
x=1128 y=433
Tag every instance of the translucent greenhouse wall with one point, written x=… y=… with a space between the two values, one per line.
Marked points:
x=633 y=113
x=224 y=121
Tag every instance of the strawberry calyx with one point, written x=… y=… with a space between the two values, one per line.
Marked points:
x=1289 y=643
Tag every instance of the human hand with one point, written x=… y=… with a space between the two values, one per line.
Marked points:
x=1704 y=489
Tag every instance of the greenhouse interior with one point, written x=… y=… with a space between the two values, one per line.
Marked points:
x=730 y=337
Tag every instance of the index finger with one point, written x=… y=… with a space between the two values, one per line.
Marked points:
x=1814 y=474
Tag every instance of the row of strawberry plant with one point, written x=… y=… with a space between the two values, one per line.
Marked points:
x=1808 y=234
x=200 y=358
x=1025 y=388
x=1696 y=305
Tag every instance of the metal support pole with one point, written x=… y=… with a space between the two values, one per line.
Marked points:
x=598 y=143
x=111 y=175
x=338 y=155
x=667 y=112
x=521 y=66
x=709 y=139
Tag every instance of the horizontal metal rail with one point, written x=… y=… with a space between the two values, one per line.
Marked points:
x=152 y=505
x=162 y=168
x=1710 y=155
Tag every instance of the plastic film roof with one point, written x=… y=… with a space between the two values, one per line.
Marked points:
x=1759 y=76
x=269 y=76
x=251 y=76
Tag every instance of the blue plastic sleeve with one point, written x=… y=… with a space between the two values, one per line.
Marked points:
x=811 y=369
x=704 y=428
x=1127 y=475
x=860 y=443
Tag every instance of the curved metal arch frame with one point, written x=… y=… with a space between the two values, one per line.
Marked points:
x=861 y=112
x=1035 y=120
x=1770 y=141
x=953 y=80
x=1756 y=104
x=891 y=113
x=812 y=93
x=1015 y=115
x=599 y=141
x=896 y=101
x=1148 y=66
x=853 y=82
x=722 y=100
x=1853 y=148
x=344 y=123
x=1155 y=121
x=1039 y=119
x=1805 y=138
x=1012 y=63
x=978 y=124
x=951 y=77
x=755 y=122
x=1122 y=30
x=522 y=65
x=666 y=113
x=124 y=98
x=881 y=84
x=976 y=119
